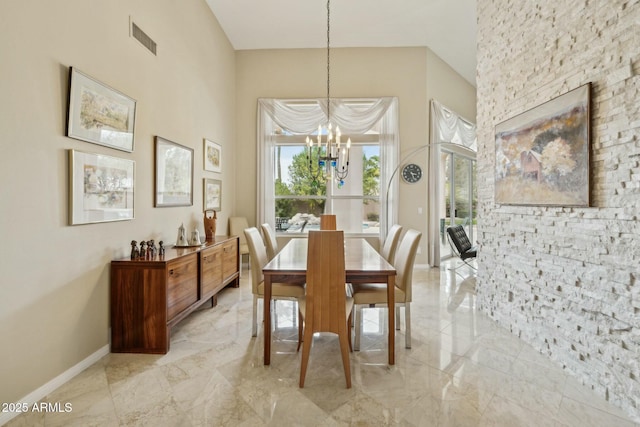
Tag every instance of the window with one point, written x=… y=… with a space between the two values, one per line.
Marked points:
x=291 y=200
x=452 y=177
x=299 y=199
x=460 y=192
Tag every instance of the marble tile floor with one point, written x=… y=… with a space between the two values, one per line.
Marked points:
x=462 y=370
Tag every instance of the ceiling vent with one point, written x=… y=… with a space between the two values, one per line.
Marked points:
x=143 y=38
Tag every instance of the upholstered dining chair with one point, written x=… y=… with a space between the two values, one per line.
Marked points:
x=269 y=240
x=372 y=294
x=237 y=225
x=326 y=307
x=258 y=257
x=390 y=245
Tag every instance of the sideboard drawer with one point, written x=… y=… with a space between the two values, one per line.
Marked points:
x=182 y=284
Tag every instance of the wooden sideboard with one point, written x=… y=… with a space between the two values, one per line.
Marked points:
x=149 y=296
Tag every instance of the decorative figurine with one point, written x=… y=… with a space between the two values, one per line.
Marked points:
x=152 y=248
x=210 y=224
x=161 y=250
x=143 y=249
x=181 y=240
x=195 y=237
x=135 y=253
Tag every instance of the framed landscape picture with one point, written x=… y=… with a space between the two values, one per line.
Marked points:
x=212 y=198
x=99 y=114
x=174 y=174
x=101 y=188
x=212 y=156
x=542 y=155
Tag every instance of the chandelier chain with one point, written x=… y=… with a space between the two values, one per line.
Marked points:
x=328 y=60
x=332 y=159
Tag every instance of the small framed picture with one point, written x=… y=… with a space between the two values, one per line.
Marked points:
x=174 y=174
x=100 y=188
x=212 y=198
x=99 y=114
x=212 y=156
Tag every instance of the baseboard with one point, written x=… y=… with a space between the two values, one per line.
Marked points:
x=40 y=393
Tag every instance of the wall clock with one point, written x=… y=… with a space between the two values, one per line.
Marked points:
x=411 y=173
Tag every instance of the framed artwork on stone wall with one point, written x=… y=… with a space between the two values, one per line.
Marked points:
x=542 y=155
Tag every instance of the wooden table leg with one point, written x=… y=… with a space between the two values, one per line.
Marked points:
x=266 y=302
x=391 y=303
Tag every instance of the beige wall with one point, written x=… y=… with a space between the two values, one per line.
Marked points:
x=54 y=300
x=411 y=74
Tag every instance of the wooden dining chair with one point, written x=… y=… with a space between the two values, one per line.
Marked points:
x=326 y=307
x=390 y=245
x=372 y=294
x=258 y=257
x=269 y=240
x=328 y=222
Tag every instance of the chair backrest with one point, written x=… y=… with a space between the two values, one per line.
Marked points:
x=405 y=258
x=391 y=243
x=326 y=278
x=327 y=222
x=257 y=255
x=269 y=240
x=458 y=236
x=237 y=224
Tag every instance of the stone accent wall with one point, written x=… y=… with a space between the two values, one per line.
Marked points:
x=566 y=280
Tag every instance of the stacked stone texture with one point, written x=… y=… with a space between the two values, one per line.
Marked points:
x=566 y=279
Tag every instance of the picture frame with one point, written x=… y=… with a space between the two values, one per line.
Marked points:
x=101 y=188
x=173 y=174
x=542 y=155
x=212 y=194
x=212 y=155
x=98 y=113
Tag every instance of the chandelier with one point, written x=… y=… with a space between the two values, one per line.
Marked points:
x=331 y=157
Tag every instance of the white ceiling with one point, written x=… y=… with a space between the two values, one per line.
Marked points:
x=447 y=27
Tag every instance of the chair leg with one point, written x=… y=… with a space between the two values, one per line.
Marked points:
x=274 y=316
x=300 y=330
x=407 y=323
x=306 y=348
x=254 y=330
x=397 y=317
x=357 y=321
x=344 y=349
x=349 y=327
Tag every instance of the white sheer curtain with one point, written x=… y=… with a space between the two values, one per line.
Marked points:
x=302 y=117
x=456 y=134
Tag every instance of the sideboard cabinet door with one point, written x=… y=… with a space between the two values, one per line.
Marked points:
x=210 y=271
x=230 y=258
x=182 y=284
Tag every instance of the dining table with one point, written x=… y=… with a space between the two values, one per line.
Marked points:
x=363 y=264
